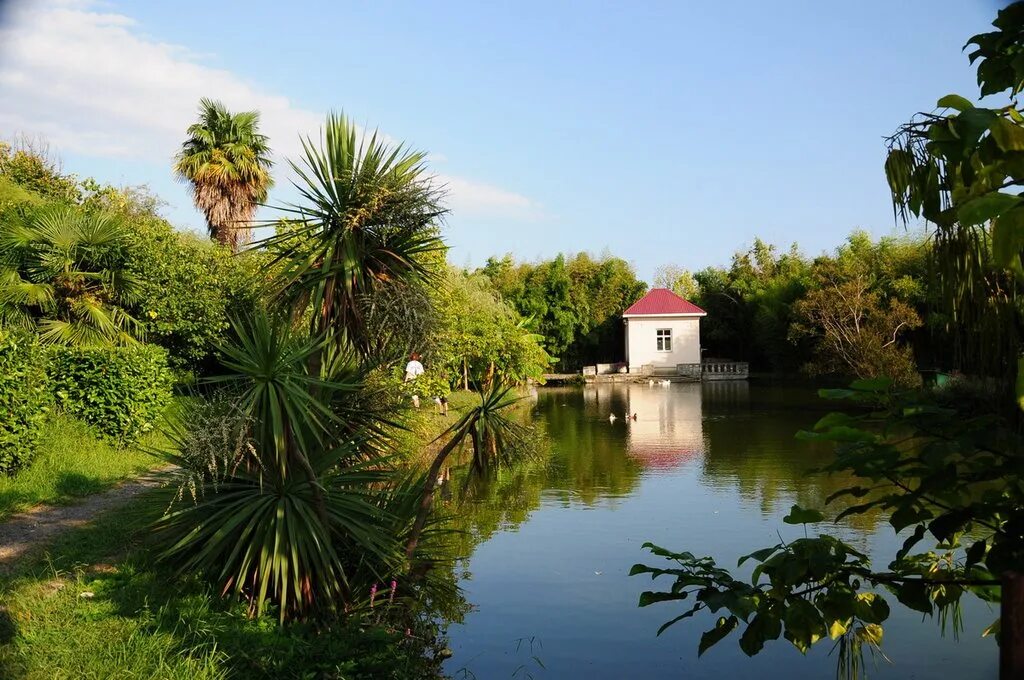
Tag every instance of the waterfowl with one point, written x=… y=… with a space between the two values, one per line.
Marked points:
x=611 y=418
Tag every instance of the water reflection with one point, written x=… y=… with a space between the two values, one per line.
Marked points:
x=709 y=468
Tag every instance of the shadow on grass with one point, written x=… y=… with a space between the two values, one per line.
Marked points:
x=75 y=484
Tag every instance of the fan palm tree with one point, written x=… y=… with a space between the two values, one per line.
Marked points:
x=227 y=162
x=63 y=271
x=368 y=219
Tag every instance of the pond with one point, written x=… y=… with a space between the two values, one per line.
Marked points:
x=711 y=468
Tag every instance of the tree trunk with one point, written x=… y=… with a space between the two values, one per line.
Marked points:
x=1011 y=627
x=465 y=374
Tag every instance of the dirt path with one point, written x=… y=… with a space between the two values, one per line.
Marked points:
x=41 y=524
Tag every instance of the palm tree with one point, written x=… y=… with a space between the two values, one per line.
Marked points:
x=227 y=162
x=369 y=219
x=63 y=271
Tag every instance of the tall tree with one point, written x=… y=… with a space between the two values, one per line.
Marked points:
x=227 y=162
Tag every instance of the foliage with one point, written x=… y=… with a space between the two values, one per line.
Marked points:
x=141 y=622
x=855 y=331
x=287 y=519
x=574 y=303
x=119 y=390
x=478 y=337
x=28 y=164
x=227 y=162
x=750 y=306
x=956 y=168
x=63 y=269
x=678 y=280
x=188 y=288
x=368 y=223
x=24 y=398
x=933 y=473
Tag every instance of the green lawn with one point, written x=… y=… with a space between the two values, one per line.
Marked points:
x=72 y=462
x=96 y=607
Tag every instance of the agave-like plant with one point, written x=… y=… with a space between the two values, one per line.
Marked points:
x=492 y=435
x=368 y=221
x=289 y=519
x=63 y=271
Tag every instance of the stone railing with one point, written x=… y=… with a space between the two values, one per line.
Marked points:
x=725 y=370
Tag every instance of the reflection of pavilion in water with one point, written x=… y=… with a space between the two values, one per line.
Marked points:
x=668 y=430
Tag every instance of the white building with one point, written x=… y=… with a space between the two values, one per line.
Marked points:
x=663 y=334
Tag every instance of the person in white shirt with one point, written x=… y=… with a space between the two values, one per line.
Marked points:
x=413 y=370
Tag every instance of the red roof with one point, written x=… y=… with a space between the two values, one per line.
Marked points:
x=662 y=301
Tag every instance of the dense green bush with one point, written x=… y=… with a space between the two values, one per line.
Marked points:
x=24 y=398
x=188 y=289
x=119 y=390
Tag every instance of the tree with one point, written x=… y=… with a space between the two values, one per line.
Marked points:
x=678 y=280
x=64 y=271
x=952 y=477
x=227 y=162
x=368 y=222
x=855 y=331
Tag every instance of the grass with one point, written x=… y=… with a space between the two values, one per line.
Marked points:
x=70 y=462
x=96 y=607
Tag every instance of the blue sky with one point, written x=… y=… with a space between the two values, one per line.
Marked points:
x=669 y=132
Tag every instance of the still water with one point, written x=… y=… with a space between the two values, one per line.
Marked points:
x=707 y=468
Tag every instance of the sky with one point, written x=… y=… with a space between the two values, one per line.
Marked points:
x=659 y=132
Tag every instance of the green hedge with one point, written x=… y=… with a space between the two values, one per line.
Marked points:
x=119 y=390
x=24 y=398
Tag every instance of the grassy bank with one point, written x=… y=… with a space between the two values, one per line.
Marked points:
x=96 y=607
x=71 y=462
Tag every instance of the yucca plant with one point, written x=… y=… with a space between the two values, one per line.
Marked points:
x=63 y=271
x=368 y=221
x=492 y=435
x=227 y=162
x=297 y=511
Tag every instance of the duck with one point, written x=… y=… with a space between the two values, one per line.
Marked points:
x=611 y=418
x=666 y=383
x=633 y=417
x=651 y=383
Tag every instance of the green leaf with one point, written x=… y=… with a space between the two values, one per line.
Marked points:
x=804 y=625
x=870 y=608
x=954 y=101
x=976 y=553
x=759 y=555
x=1008 y=135
x=647 y=597
x=764 y=626
x=685 y=615
x=984 y=208
x=798 y=515
x=1008 y=241
x=870 y=633
x=913 y=594
x=837 y=629
x=723 y=627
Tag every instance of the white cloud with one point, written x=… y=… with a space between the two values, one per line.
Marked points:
x=94 y=83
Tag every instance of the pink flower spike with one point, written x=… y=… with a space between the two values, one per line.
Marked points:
x=394 y=585
x=373 y=594
x=408 y=632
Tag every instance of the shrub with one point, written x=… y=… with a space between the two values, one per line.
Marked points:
x=188 y=288
x=119 y=390
x=24 y=398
